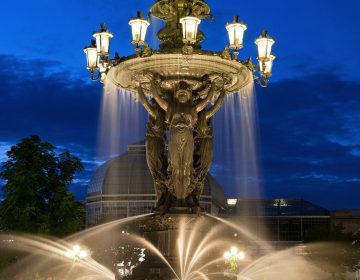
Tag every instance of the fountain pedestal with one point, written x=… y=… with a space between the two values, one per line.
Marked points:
x=175 y=236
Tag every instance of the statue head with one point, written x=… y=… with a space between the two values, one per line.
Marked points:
x=183 y=92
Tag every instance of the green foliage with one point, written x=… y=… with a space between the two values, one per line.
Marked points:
x=36 y=193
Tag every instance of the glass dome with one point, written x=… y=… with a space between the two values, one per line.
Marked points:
x=123 y=187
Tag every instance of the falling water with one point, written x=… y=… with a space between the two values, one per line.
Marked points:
x=235 y=155
x=155 y=26
x=122 y=121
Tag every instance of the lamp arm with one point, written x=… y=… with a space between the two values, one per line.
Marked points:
x=92 y=75
x=261 y=82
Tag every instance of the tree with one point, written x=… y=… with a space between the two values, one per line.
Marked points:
x=36 y=193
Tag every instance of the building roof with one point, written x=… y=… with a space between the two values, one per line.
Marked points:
x=277 y=207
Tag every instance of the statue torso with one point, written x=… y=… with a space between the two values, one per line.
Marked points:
x=181 y=116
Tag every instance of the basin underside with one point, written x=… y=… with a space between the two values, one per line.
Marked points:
x=176 y=67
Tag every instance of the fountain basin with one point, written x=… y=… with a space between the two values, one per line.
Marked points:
x=173 y=67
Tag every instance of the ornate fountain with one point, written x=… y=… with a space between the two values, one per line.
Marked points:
x=176 y=84
x=182 y=87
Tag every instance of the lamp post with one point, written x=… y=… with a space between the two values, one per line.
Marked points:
x=102 y=37
x=265 y=57
x=236 y=32
x=97 y=54
x=138 y=29
x=189 y=26
x=76 y=253
x=189 y=29
x=92 y=59
x=232 y=257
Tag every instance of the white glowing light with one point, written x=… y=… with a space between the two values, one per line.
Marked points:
x=190 y=28
x=233 y=250
x=264 y=44
x=231 y=201
x=76 y=253
x=76 y=249
x=102 y=38
x=236 y=32
x=227 y=255
x=266 y=68
x=138 y=29
x=82 y=254
x=241 y=255
x=69 y=253
x=92 y=59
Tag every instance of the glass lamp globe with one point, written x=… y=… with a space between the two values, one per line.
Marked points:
x=138 y=29
x=190 y=29
x=264 y=44
x=92 y=59
x=102 y=38
x=266 y=66
x=236 y=33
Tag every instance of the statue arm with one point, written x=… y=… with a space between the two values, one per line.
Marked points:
x=201 y=106
x=155 y=92
x=212 y=111
x=145 y=103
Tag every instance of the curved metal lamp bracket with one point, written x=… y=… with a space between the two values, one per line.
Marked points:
x=261 y=82
x=92 y=75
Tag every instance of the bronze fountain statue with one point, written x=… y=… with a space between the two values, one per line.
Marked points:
x=176 y=86
x=179 y=177
x=182 y=87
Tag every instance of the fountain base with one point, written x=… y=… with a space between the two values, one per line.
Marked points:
x=171 y=233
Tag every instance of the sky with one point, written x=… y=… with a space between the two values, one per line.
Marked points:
x=309 y=116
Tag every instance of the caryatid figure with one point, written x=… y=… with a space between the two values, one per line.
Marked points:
x=203 y=153
x=181 y=116
x=155 y=146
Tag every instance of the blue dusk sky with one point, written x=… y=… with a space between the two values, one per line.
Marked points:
x=309 y=116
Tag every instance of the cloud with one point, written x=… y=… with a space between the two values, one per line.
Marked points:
x=83 y=182
x=4 y=147
x=310 y=137
x=330 y=178
x=37 y=100
x=37 y=97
